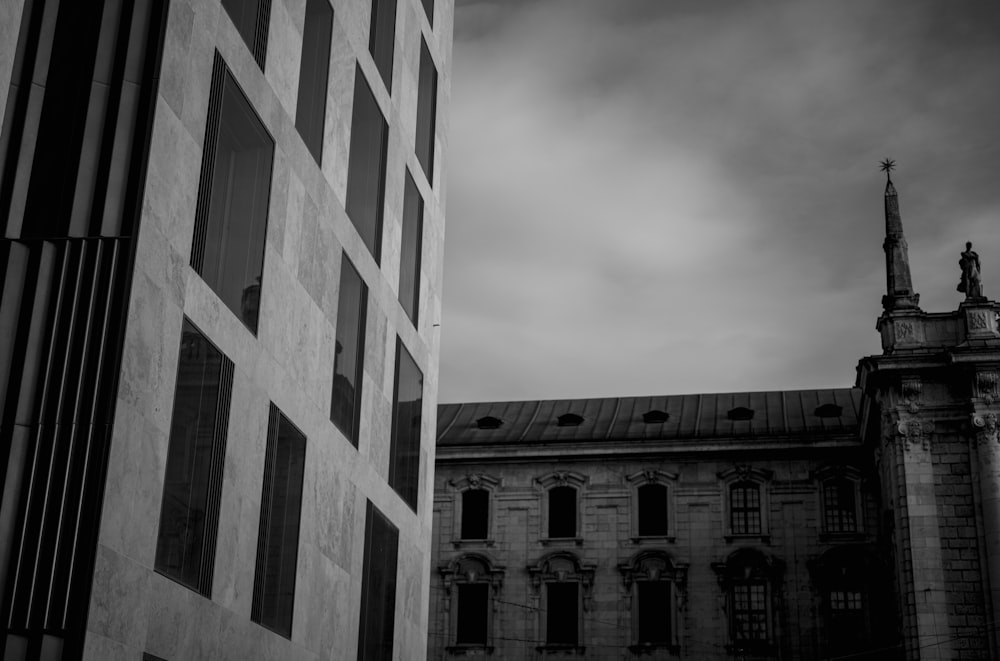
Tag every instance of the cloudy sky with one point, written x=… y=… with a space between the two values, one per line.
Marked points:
x=657 y=197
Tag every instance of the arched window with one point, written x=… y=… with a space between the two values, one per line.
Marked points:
x=473 y=509
x=562 y=512
x=475 y=514
x=652 y=507
x=840 y=501
x=561 y=586
x=746 y=502
x=471 y=583
x=750 y=581
x=655 y=587
x=560 y=506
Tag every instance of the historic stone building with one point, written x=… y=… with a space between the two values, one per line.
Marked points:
x=222 y=235
x=857 y=523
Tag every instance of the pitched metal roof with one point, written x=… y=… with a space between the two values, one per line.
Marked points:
x=777 y=413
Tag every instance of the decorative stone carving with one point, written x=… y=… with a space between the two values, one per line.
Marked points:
x=911 y=389
x=744 y=472
x=915 y=433
x=978 y=320
x=986 y=386
x=987 y=428
x=904 y=331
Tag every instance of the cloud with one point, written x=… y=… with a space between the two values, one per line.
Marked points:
x=651 y=197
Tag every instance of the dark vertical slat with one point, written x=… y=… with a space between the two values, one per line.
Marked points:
x=263 y=27
x=215 y=479
x=208 y=163
x=265 y=513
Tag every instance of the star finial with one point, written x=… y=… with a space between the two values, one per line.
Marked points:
x=887 y=166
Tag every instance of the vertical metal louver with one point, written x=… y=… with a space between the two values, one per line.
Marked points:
x=73 y=152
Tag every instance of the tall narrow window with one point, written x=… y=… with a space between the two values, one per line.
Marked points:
x=652 y=510
x=378 y=587
x=562 y=512
x=744 y=508
x=475 y=514
x=426 y=111
x=366 y=166
x=653 y=580
x=278 y=539
x=653 y=612
x=310 y=110
x=251 y=18
x=231 y=216
x=189 y=515
x=839 y=506
x=749 y=579
x=409 y=258
x=472 y=624
x=349 y=351
x=749 y=600
x=382 y=38
x=562 y=613
x=404 y=450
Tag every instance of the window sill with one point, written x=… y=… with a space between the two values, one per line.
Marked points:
x=565 y=541
x=761 y=649
x=561 y=650
x=764 y=539
x=651 y=648
x=663 y=539
x=459 y=543
x=469 y=650
x=842 y=536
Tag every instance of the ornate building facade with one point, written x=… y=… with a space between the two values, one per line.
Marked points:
x=859 y=523
x=221 y=257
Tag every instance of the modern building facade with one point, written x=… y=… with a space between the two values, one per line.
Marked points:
x=223 y=226
x=858 y=523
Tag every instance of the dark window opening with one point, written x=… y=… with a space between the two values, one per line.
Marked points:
x=426 y=112
x=189 y=514
x=251 y=18
x=654 y=417
x=235 y=188
x=740 y=413
x=366 y=166
x=828 y=411
x=473 y=614
x=749 y=612
x=562 y=512
x=839 y=506
x=848 y=624
x=429 y=10
x=378 y=587
x=280 y=512
x=653 y=625
x=561 y=614
x=744 y=508
x=410 y=249
x=404 y=448
x=310 y=109
x=382 y=38
x=652 y=510
x=569 y=420
x=475 y=514
x=488 y=422
x=349 y=352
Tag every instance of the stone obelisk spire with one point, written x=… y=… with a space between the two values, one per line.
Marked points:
x=899 y=288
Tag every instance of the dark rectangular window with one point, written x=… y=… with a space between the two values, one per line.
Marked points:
x=561 y=617
x=310 y=110
x=475 y=513
x=653 y=612
x=189 y=514
x=404 y=449
x=233 y=195
x=562 y=512
x=426 y=111
x=278 y=538
x=251 y=18
x=429 y=10
x=744 y=503
x=382 y=38
x=378 y=587
x=839 y=506
x=349 y=351
x=409 y=258
x=473 y=613
x=652 y=510
x=366 y=166
x=750 y=612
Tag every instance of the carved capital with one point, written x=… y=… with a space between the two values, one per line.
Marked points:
x=986 y=386
x=986 y=428
x=915 y=433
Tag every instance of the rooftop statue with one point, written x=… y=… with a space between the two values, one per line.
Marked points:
x=970 y=282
